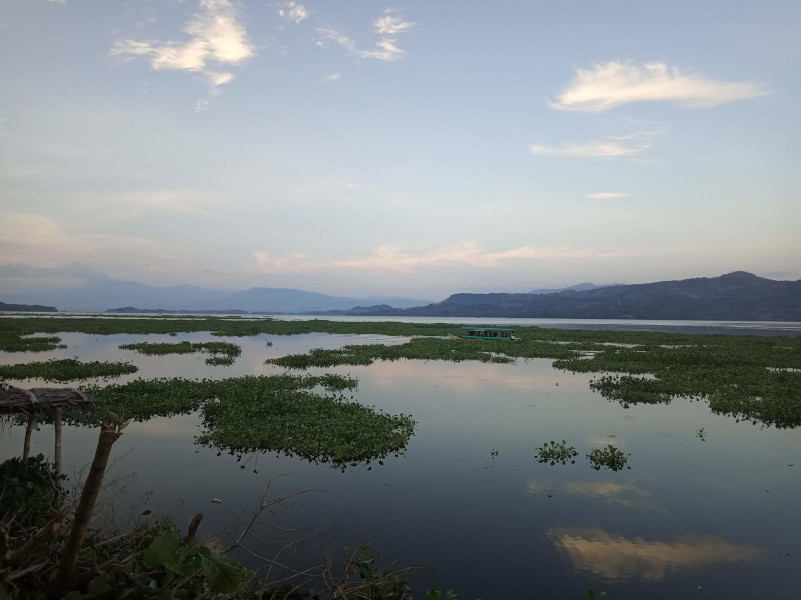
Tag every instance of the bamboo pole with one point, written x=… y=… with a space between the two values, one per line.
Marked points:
x=83 y=515
x=26 y=448
x=57 y=449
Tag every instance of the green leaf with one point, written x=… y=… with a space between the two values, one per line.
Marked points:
x=162 y=551
x=223 y=576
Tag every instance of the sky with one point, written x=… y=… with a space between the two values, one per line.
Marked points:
x=353 y=147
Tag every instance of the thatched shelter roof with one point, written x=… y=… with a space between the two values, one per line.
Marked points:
x=19 y=400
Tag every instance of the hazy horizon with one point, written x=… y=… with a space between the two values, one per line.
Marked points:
x=416 y=149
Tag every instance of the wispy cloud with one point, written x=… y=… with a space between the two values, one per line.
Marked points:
x=607 y=195
x=293 y=12
x=608 y=147
x=390 y=24
x=216 y=37
x=332 y=77
x=398 y=259
x=386 y=48
x=615 y=83
x=592 y=149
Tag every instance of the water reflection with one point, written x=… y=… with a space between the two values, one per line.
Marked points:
x=611 y=556
x=626 y=494
x=537 y=375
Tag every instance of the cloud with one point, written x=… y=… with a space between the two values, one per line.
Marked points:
x=48 y=242
x=386 y=48
x=216 y=37
x=594 y=149
x=332 y=77
x=607 y=195
x=293 y=12
x=216 y=79
x=614 y=557
x=615 y=83
x=391 y=258
x=609 y=147
x=389 y=24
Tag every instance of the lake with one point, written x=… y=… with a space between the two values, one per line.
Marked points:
x=707 y=508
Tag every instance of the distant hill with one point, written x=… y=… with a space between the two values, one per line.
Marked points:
x=26 y=308
x=90 y=290
x=287 y=300
x=579 y=287
x=737 y=296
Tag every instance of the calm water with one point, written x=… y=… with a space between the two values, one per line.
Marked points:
x=713 y=517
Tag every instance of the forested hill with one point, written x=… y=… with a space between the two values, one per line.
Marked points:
x=737 y=296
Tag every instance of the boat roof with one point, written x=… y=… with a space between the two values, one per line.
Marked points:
x=487 y=329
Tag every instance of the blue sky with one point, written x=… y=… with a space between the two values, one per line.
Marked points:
x=355 y=147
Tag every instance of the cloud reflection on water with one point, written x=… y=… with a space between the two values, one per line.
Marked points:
x=627 y=494
x=468 y=376
x=616 y=557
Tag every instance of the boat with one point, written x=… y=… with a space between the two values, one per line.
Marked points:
x=485 y=333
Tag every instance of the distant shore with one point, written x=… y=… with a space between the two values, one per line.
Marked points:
x=685 y=328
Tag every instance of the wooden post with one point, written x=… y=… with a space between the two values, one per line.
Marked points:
x=26 y=448
x=57 y=449
x=83 y=515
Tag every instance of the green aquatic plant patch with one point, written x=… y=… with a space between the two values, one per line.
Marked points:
x=218 y=326
x=143 y=399
x=632 y=390
x=418 y=348
x=749 y=377
x=66 y=369
x=306 y=416
x=12 y=342
x=610 y=458
x=222 y=353
x=324 y=429
x=556 y=452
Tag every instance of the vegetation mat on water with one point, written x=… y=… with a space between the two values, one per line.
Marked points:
x=66 y=369
x=222 y=353
x=277 y=413
x=11 y=341
x=749 y=377
x=556 y=452
x=610 y=458
x=12 y=328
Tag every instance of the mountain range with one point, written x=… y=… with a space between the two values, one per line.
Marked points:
x=737 y=296
x=734 y=296
x=89 y=290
